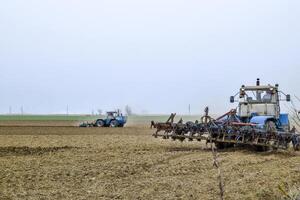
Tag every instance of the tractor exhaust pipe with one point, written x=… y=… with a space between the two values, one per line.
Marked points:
x=258 y=82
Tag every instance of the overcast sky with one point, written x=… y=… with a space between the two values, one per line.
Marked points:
x=156 y=56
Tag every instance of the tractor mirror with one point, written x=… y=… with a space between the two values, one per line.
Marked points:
x=232 y=99
x=288 y=98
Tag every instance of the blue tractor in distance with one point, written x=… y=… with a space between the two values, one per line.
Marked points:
x=260 y=105
x=113 y=119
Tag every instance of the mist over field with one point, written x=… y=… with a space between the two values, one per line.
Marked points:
x=64 y=63
x=156 y=56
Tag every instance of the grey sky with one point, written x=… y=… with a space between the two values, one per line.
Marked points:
x=157 y=56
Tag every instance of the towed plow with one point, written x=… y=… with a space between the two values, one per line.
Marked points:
x=257 y=123
x=228 y=133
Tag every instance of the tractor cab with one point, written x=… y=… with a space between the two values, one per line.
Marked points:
x=260 y=105
x=111 y=115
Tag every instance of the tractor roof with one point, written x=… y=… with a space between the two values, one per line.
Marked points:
x=111 y=112
x=260 y=87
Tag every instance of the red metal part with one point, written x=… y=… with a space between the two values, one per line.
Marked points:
x=242 y=124
x=231 y=112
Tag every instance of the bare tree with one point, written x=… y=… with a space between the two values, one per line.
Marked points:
x=128 y=110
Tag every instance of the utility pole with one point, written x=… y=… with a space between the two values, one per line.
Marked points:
x=22 y=111
x=67 y=109
x=10 y=110
x=189 y=109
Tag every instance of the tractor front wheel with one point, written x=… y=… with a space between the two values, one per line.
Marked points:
x=100 y=123
x=220 y=145
x=223 y=145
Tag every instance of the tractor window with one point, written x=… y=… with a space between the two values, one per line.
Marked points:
x=267 y=97
x=110 y=115
x=250 y=97
x=258 y=96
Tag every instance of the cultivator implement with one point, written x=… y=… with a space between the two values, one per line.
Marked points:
x=228 y=131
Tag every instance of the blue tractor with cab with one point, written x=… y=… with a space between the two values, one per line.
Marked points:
x=260 y=105
x=113 y=119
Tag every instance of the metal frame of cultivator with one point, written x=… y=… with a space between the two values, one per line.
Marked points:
x=227 y=133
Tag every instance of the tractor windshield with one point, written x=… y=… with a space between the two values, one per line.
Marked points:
x=111 y=115
x=258 y=96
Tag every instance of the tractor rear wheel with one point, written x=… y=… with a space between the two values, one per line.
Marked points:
x=100 y=123
x=114 y=123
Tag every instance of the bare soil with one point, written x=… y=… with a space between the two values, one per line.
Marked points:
x=128 y=163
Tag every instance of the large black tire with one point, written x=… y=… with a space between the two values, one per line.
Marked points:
x=100 y=123
x=223 y=145
x=261 y=148
x=114 y=123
